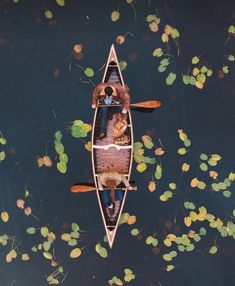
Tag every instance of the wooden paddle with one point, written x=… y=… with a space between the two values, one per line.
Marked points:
x=142 y=104
x=147 y=104
x=85 y=188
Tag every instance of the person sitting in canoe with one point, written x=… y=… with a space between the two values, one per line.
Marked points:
x=107 y=94
x=112 y=197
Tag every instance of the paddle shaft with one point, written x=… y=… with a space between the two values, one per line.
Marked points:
x=84 y=188
x=143 y=104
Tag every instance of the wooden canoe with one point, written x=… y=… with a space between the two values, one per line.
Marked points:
x=111 y=154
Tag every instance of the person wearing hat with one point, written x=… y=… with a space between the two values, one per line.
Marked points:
x=112 y=196
x=107 y=94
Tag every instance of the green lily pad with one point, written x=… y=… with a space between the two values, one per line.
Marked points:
x=195 y=60
x=203 y=167
x=170 y=78
x=48 y=14
x=75 y=227
x=62 y=168
x=59 y=147
x=161 y=68
x=158 y=52
x=64 y=158
x=2 y=155
x=122 y=65
x=89 y=72
x=60 y=2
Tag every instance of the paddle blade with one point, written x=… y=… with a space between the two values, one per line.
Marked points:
x=148 y=104
x=82 y=188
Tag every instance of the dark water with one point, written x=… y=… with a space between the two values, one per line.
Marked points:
x=34 y=104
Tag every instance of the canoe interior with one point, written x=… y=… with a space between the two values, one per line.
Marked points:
x=111 y=160
x=113 y=75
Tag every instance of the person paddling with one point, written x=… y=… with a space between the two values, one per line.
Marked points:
x=109 y=94
x=112 y=197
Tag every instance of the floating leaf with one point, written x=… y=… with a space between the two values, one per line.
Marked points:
x=151 y=18
x=189 y=205
x=186 y=79
x=75 y=227
x=165 y=38
x=48 y=14
x=194 y=183
x=190 y=247
x=44 y=231
x=158 y=172
x=60 y=2
x=152 y=186
x=75 y=253
x=3 y=141
x=187 y=221
x=204 y=157
x=2 y=155
x=158 y=52
x=172 y=186
x=161 y=68
x=63 y=158
x=20 y=203
x=122 y=65
x=89 y=72
x=28 y=211
x=202 y=231
x=199 y=85
x=212 y=162
x=135 y=232
x=231 y=58
x=227 y=194
x=203 y=167
x=167 y=257
x=213 y=174
x=182 y=151
x=4 y=216
x=131 y=219
x=103 y=252
x=61 y=167
x=175 y=34
x=170 y=78
x=59 y=147
x=213 y=249
x=216 y=157
x=25 y=257
x=77 y=50
x=115 y=16
x=120 y=39
x=185 y=167
x=159 y=151
x=31 y=230
x=141 y=167
x=47 y=161
x=196 y=71
x=153 y=26
x=195 y=60
x=168 y=29
x=201 y=78
x=201 y=185
x=225 y=69
x=47 y=255
x=164 y=62
x=148 y=144
x=170 y=268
